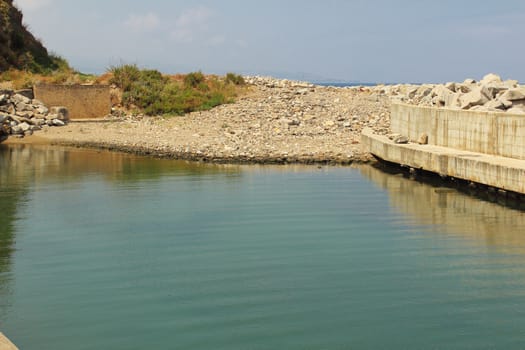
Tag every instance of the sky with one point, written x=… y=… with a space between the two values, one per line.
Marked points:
x=380 y=41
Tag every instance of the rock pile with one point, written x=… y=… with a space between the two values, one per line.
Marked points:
x=491 y=94
x=21 y=116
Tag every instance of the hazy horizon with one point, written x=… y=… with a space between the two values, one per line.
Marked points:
x=331 y=40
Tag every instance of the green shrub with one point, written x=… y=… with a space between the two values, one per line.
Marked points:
x=235 y=79
x=124 y=76
x=194 y=79
x=155 y=94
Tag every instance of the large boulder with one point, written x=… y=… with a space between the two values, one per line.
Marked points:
x=19 y=98
x=477 y=97
x=491 y=79
x=495 y=105
x=511 y=84
x=444 y=97
x=513 y=94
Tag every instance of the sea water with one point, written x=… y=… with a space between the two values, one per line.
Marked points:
x=103 y=250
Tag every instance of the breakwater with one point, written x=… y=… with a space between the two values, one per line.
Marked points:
x=474 y=131
x=481 y=147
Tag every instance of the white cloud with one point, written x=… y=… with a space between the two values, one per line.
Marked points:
x=142 y=23
x=32 y=5
x=192 y=24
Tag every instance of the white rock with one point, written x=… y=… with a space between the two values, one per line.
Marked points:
x=490 y=79
x=513 y=95
x=58 y=122
x=38 y=121
x=24 y=126
x=465 y=88
x=451 y=86
x=506 y=103
x=16 y=130
x=18 y=98
x=477 y=97
x=511 y=84
x=402 y=140
x=441 y=95
x=495 y=104
x=42 y=109
x=22 y=107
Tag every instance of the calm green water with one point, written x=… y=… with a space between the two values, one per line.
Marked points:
x=109 y=251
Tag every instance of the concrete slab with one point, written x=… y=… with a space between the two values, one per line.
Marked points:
x=5 y=344
x=496 y=171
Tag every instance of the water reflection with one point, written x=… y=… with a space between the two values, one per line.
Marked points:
x=27 y=167
x=37 y=163
x=456 y=212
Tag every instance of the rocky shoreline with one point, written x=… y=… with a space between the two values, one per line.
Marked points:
x=281 y=121
x=277 y=121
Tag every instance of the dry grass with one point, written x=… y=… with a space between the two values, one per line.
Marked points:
x=22 y=79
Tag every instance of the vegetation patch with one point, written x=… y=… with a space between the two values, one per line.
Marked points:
x=156 y=94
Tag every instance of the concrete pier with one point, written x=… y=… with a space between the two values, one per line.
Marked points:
x=495 y=133
x=482 y=147
x=501 y=172
x=5 y=344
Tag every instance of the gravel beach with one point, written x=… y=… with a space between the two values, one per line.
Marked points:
x=277 y=121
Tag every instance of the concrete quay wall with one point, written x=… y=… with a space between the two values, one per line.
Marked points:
x=494 y=133
x=500 y=172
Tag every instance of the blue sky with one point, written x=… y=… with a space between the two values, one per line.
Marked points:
x=352 y=40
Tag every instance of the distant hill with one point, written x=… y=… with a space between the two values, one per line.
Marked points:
x=19 y=49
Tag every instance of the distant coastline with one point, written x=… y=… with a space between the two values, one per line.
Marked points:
x=343 y=84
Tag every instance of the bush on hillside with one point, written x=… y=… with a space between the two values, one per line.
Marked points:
x=155 y=94
x=235 y=79
x=194 y=79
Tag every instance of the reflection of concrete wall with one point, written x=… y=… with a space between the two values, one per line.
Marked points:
x=82 y=101
x=483 y=132
x=456 y=212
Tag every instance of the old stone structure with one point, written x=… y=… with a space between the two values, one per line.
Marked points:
x=82 y=101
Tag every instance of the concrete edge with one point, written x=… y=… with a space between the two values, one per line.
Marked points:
x=500 y=172
x=6 y=344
